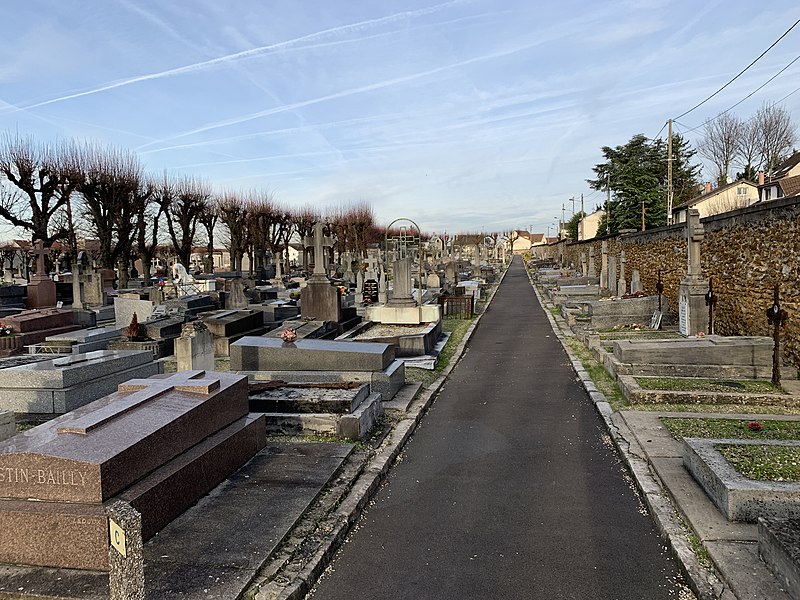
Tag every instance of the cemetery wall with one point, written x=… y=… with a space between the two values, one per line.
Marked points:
x=745 y=252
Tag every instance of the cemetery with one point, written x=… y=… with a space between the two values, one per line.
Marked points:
x=220 y=385
x=116 y=421
x=668 y=345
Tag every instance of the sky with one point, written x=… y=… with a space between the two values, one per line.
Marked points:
x=466 y=115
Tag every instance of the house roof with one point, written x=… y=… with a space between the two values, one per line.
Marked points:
x=537 y=238
x=783 y=169
x=790 y=185
x=697 y=199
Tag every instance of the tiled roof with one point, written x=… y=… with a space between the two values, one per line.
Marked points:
x=790 y=185
x=783 y=169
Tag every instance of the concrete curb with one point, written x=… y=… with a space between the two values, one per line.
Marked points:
x=705 y=585
x=370 y=479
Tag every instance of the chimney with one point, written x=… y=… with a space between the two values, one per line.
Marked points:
x=708 y=187
x=761 y=178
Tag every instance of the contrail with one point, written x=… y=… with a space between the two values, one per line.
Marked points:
x=351 y=92
x=254 y=51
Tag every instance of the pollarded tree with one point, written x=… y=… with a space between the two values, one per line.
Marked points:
x=304 y=219
x=190 y=200
x=37 y=183
x=149 y=220
x=232 y=209
x=208 y=219
x=112 y=191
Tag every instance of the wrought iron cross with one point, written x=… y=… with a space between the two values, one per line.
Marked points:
x=659 y=289
x=711 y=303
x=776 y=316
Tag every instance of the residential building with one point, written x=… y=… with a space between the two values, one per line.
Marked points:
x=588 y=225
x=738 y=194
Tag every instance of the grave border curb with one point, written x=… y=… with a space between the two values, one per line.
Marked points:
x=372 y=476
x=705 y=585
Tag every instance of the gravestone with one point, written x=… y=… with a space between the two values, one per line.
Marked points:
x=433 y=281
x=264 y=353
x=79 y=270
x=592 y=271
x=584 y=266
x=319 y=299
x=227 y=326
x=156 y=444
x=604 y=266
x=401 y=293
x=41 y=289
x=622 y=285
x=124 y=308
x=451 y=273
x=236 y=299
x=636 y=282
x=194 y=349
x=692 y=308
x=612 y=275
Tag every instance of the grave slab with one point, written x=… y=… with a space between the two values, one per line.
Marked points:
x=737 y=497
x=263 y=353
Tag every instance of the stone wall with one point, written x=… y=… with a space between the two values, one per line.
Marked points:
x=745 y=253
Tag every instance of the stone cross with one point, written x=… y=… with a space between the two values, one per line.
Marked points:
x=694 y=237
x=584 y=266
x=592 y=272
x=622 y=285
x=319 y=241
x=39 y=251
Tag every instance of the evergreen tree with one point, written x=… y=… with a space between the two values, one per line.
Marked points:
x=637 y=173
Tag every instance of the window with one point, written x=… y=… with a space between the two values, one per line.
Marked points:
x=741 y=191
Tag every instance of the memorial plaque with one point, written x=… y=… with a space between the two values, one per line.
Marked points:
x=683 y=314
x=371 y=290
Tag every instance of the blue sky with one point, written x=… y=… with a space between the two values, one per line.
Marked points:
x=461 y=115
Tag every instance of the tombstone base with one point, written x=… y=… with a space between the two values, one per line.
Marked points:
x=41 y=292
x=692 y=309
x=321 y=301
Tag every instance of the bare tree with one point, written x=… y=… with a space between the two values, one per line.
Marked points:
x=304 y=219
x=749 y=150
x=191 y=198
x=39 y=185
x=232 y=209
x=208 y=219
x=721 y=143
x=112 y=190
x=778 y=134
x=148 y=223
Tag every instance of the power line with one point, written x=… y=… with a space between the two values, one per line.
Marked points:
x=759 y=88
x=696 y=106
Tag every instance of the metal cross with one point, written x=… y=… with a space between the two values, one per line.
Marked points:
x=776 y=316
x=659 y=289
x=711 y=303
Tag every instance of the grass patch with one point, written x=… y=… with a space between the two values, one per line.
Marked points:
x=745 y=409
x=604 y=383
x=683 y=384
x=555 y=310
x=764 y=463
x=733 y=429
x=458 y=329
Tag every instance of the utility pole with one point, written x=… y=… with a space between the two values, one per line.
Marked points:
x=669 y=172
x=642 y=215
x=582 y=205
x=573 y=205
x=608 y=203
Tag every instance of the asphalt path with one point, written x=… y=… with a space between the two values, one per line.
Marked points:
x=510 y=488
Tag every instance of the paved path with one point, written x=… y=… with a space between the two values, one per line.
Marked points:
x=509 y=489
